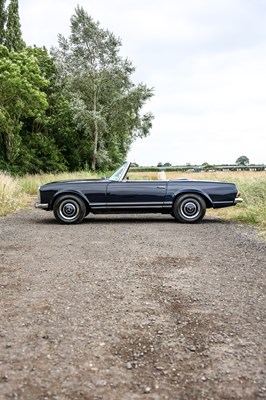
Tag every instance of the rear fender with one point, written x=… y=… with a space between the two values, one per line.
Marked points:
x=205 y=196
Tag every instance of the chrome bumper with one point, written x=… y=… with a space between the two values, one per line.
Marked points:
x=44 y=206
x=238 y=200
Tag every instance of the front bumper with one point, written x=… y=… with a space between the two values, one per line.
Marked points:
x=44 y=206
x=238 y=200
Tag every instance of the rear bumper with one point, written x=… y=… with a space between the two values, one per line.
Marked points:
x=44 y=206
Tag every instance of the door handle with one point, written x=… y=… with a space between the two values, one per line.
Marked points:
x=160 y=187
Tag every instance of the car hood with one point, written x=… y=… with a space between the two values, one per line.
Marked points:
x=74 y=181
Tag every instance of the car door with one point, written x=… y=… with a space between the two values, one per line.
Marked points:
x=135 y=195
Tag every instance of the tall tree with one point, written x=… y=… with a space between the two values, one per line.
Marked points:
x=2 y=21
x=44 y=140
x=13 y=35
x=21 y=95
x=106 y=103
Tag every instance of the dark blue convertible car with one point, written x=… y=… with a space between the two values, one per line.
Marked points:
x=186 y=200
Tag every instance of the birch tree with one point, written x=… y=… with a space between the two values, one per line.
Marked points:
x=105 y=101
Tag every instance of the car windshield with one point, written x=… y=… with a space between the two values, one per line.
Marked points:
x=119 y=174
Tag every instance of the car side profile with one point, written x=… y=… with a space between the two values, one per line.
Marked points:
x=186 y=200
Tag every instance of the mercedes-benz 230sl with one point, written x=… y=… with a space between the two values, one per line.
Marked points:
x=186 y=200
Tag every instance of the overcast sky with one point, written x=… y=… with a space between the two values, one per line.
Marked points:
x=206 y=60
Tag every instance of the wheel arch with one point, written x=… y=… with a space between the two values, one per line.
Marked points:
x=205 y=196
x=70 y=192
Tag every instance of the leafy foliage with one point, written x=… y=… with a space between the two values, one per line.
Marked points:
x=20 y=96
x=97 y=81
x=13 y=36
x=2 y=21
x=242 y=160
x=69 y=110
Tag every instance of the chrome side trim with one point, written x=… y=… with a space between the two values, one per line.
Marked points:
x=223 y=202
x=44 y=206
x=137 y=203
x=136 y=206
x=120 y=206
x=129 y=204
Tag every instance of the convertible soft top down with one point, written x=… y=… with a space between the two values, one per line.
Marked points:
x=186 y=200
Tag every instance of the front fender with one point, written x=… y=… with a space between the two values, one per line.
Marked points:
x=71 y=191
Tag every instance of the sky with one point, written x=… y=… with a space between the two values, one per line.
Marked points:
x=205 y=59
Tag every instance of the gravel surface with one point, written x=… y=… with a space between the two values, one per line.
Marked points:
x=131 y=307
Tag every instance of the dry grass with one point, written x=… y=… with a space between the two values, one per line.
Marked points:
x=11 y=195
x=30 y=183
x=214 y=176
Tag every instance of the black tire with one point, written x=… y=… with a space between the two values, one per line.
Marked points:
x=189 y=208
x=69 y=209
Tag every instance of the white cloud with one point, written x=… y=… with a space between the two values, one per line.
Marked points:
x=206 y=60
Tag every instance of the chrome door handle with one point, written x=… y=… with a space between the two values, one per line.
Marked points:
x=160 y=187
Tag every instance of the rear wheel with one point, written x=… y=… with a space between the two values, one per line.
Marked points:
x=69 y=209
x=189 y=208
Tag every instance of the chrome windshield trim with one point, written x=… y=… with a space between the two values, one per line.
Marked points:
x=120 y=173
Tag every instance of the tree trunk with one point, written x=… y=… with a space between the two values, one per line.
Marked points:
x=96 y=134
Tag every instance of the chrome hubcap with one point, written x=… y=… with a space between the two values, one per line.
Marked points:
x=69 y=209
x=190 y=209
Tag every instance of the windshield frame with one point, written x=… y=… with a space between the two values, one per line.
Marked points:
x=120 y=173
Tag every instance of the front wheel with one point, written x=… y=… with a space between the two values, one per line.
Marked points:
x=189 y=208
x=69 y=209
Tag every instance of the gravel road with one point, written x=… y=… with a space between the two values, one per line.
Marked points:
x=131 y=307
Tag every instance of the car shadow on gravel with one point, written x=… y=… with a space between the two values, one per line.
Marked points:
x=108 y=219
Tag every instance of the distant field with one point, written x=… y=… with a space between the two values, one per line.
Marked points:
x=252 y=185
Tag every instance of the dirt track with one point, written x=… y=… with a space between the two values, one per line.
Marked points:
x=131 y=307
